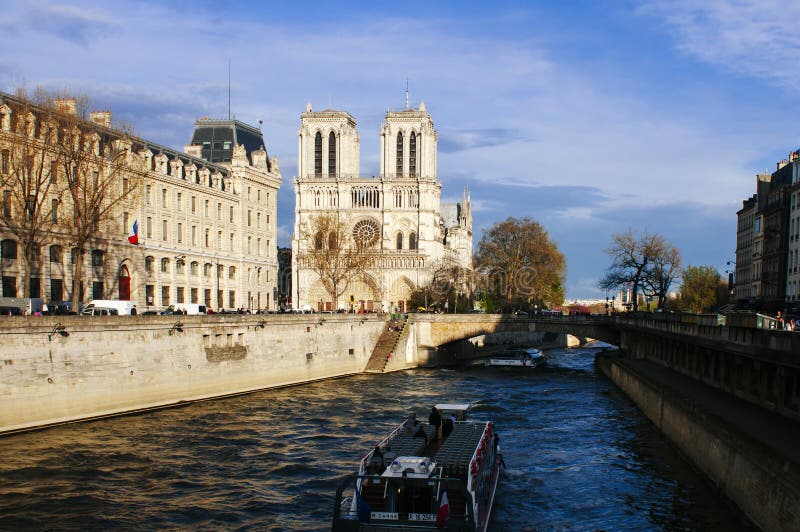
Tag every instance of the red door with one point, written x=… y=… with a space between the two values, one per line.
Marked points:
x=125 y=288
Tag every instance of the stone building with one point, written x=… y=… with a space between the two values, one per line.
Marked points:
x=768 y=240
x=206 y=225
x=793 y=258
x=743 y=289
x=397 y=215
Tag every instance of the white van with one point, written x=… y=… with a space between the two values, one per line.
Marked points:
x=191 y=309
x=113 y=306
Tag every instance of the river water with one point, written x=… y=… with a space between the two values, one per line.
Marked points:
x=579 y=456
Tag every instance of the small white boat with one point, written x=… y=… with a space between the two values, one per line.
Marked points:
x=528 y=357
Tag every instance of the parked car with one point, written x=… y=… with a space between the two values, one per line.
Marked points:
x=192 y=309
x=91 y=310
x=120 y=307
x=63 y=308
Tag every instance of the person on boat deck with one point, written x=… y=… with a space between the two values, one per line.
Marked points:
x=435 y=420
x=448 y=425
x=411 y=423
x=420 y=433
x=378 y=453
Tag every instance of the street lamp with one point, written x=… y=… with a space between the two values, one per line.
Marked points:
x=731 y=276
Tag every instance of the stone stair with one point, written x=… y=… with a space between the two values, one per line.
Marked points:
x=386 y=345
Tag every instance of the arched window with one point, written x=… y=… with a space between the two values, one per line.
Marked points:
x=148 y=263
x=318 y=241
x=412 y=155
x=412 y=241
x=194 y=267
x=332 y=154
x=332 y=243
x=207 y=269
x=318 y=153
x=165 y=265
x=232 y=272
x=399 y=162
x=180 y=266
x=56 y=255
x=97 y=257
x=400 y=240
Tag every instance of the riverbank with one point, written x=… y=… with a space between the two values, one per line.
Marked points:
x=749 y=453
x=62 y=369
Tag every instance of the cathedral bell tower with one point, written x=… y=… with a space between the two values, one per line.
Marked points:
x=328 y=144
x=408 y=144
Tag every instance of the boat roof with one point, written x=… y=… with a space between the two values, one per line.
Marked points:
x=453 y=407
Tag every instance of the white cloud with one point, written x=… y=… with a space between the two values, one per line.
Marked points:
x=757 y=38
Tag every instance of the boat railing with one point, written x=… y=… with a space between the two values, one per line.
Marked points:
x=368 y=457
x=476 y=475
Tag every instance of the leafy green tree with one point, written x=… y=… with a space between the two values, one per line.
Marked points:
x=699 y=291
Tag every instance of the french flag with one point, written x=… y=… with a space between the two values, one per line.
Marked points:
x=444 y=511
x=133 y=236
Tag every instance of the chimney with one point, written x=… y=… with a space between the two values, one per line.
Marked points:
x=101 y=118
x=66 y=105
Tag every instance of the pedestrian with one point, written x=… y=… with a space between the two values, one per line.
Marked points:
x=411 y=423
x=435 y=420
x=377 y=453
x=420 y=433
x=447 y=426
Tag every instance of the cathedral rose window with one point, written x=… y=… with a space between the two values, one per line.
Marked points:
x=366 y=233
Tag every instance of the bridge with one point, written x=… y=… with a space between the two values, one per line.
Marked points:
x=759 y=365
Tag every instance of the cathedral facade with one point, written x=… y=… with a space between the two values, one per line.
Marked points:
x=396 y=216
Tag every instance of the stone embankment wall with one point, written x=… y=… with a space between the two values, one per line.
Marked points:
x=762 y=484
x=60 y=369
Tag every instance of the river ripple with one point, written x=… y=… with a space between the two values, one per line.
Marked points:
x=580 y=456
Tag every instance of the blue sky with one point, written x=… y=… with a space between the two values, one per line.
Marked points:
x=591 y=117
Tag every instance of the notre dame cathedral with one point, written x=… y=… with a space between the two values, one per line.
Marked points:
x=397 y=214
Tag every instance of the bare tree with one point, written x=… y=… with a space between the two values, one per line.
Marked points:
x=334 y=255
x=519 y=263
x=449 y=281
x=631 y=257
x=102 y=173
x=665 y=268
x=28 y=179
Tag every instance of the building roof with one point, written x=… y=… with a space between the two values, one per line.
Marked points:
x=218 y=138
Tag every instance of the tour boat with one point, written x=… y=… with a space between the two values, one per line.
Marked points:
x=409 y=482
x=529 y=357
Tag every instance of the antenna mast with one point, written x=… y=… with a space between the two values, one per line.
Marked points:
x=229 y=89
x=406 y=92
